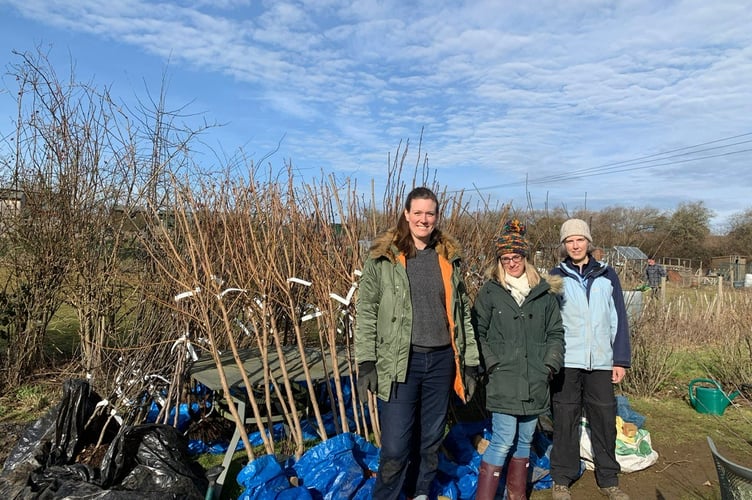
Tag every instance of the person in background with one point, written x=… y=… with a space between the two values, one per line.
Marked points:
x=414 y=343
x=654 y=274
x=596 y=334
x=521 y=339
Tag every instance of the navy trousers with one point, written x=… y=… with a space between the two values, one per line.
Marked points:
x=412 y=425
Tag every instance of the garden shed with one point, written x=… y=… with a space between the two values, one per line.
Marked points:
x=733 y=268
x=628 y=261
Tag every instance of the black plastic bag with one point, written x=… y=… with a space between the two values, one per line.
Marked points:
x=142 y=462
x=76 y=408
x=152 y=458
x=53 y=440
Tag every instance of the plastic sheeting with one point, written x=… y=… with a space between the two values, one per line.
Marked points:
x=336 y=468
x=343 y=467
x=142 y=462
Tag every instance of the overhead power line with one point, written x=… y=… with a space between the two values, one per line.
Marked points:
x=662 y=159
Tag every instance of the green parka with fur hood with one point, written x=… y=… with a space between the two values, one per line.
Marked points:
x=520 y=345
x=384 y=312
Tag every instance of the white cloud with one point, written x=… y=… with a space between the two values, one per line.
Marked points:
x=503 y=90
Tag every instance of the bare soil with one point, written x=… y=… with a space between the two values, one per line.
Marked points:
x=685 y=472
x=685 y=468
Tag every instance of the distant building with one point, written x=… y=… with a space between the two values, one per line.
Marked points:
x=11 y=201
x=732 y=267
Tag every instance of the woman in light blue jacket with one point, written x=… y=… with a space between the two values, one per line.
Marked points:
x=596 y=334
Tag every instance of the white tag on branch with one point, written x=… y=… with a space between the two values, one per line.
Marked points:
x=230 y=290
x=312 y=315
x=346 y=300
x=189 y=350
x=245 y=328
x=299 y=281
x=339 y=299
x=189 y=293
x=351 y=292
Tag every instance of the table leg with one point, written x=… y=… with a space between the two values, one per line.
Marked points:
x=230 y=451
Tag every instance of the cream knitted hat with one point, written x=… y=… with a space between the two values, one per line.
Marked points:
x=574 y=227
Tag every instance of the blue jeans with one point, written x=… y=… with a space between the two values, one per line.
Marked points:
x=505 y=428
x=412 y=425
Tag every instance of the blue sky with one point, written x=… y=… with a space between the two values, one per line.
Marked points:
x=629 y=103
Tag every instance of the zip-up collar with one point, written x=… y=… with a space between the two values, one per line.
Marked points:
x=592 y=270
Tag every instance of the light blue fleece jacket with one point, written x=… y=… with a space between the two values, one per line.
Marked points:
x=596 y=329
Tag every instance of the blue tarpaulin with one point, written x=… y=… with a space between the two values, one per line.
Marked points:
x=343 y=467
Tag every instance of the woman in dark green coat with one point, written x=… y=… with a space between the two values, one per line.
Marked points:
x=521 y=340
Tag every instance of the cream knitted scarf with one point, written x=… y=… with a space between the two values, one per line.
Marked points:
x=518 y=287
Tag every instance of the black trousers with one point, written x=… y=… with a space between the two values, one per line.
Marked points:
x=573 y=390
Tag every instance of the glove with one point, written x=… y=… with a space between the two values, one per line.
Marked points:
x=368 y=379
x=486 y=374
x=551 y=373
x=470 y=377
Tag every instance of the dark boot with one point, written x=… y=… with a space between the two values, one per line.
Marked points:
x=488 y=481
x=517 y=479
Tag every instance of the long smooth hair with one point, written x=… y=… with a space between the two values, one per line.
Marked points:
x=405 y=242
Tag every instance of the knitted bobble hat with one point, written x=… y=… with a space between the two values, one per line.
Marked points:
x=512 y=239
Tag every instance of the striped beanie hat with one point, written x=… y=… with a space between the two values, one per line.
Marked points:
x=512 y=239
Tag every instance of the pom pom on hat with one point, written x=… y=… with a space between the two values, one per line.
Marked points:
x=512 y=239
x=574 y=227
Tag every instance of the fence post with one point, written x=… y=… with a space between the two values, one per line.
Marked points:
x=720 y=293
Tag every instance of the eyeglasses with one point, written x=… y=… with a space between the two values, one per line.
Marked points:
x=513 y=258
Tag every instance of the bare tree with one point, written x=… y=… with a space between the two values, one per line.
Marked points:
x=37 y=254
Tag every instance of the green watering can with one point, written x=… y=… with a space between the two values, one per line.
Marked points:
x=709 y=399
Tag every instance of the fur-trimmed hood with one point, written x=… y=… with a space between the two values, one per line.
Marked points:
x=385 y=246
x=555 y=282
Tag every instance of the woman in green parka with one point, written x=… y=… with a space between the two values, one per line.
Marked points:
x=414 y=344
x=521 y=339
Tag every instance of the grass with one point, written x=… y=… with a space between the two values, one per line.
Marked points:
x=691 y=363
x=62 y=338
x=674 y=420
x=26 y=403
x=231 y=488
x=62 y=334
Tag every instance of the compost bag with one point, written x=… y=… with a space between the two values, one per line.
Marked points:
x=142 y=461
